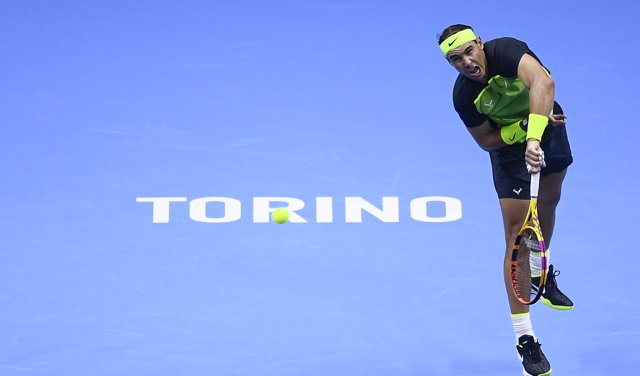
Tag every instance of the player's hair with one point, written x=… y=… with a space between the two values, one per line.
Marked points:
x=449 y=31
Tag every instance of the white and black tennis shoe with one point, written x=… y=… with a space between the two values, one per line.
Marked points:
x=534 y=363
x=552 y=296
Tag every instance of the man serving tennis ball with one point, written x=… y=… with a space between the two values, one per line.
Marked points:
x=505 y=98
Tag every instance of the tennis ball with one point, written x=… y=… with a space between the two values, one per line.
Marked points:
x=280 y=215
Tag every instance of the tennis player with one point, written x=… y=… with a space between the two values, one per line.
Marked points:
x=505 y=98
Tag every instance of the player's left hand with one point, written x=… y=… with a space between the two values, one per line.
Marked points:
x=557 y=120
x=534 y=156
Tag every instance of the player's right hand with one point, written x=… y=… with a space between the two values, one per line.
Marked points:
x=534 y=156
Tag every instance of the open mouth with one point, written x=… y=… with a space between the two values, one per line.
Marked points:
x=475 y=72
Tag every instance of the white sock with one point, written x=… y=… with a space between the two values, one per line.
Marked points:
x=522 y=325
x=536 y=266
x=548 y=252
x=535 y=263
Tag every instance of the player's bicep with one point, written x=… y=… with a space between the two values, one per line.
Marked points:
x=530 y=71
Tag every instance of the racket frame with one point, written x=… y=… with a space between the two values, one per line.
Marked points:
x=532 y=223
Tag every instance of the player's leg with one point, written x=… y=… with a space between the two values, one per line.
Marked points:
x=512 y=186
x=513 y=215
x=548 y=199
x=534 y=362
x=510 y=182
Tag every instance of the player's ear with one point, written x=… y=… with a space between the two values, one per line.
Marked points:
x=479 y=42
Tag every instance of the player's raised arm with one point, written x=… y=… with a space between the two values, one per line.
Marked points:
x=541 y=98
x=542 y=89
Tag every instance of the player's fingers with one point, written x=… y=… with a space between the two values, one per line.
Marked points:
x=536 y=154
x=557 y=120
x=533 y=158
x=542 y=164
x=532 y=169
x=534 y=163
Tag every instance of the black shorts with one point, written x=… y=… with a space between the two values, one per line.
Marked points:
x=510 y=176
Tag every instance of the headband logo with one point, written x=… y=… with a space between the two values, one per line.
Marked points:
x=456 y=40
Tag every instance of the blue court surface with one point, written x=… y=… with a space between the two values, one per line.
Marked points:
x=144 y=144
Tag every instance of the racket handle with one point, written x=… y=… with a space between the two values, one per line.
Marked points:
x=535 y=184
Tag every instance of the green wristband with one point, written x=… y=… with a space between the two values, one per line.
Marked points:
x=512 y=133
x=536 y=126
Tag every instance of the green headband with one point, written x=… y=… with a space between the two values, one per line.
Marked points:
x=456 y=40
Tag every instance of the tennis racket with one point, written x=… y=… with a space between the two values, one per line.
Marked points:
x=529 y=258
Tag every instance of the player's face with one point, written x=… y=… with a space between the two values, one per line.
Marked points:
x=470 y=60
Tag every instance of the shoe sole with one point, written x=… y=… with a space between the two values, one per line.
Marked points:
x=548 y=303
x=541 y=374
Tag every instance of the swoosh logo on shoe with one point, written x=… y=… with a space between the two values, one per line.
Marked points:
x=513 y=137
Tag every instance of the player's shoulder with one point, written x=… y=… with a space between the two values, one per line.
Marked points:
x=497 y=44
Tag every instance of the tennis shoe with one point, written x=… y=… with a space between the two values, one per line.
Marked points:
x=534 y=363
x=552 y=296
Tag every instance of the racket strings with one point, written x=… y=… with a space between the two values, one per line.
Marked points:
x=535 y=258
x=529 y=265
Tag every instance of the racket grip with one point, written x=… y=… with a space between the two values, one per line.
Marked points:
x=535 y=184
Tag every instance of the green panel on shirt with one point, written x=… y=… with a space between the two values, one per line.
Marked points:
x=504 y=100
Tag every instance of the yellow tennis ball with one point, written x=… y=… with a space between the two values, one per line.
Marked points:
x=280 y=215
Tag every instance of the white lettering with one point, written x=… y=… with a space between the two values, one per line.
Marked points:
x=324 y=209
x=422 y=209
x=452 y=209
x=160 y=208
x=354 y=206
x=231 y=206
x=262 y=208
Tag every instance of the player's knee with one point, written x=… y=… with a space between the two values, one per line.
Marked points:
x=549 y=200
x=550 y=192
x=511 y=232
